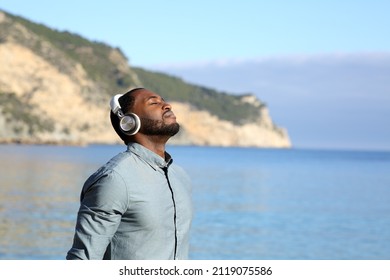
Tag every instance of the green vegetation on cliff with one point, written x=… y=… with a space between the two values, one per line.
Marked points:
x=226 y=106
x=105 y=66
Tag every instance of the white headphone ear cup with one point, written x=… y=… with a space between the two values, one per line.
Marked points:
x=130 y=124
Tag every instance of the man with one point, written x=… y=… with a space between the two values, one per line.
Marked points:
x=138 y=205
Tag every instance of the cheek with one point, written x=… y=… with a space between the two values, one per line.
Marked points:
x=157 y=118
x=153 y=115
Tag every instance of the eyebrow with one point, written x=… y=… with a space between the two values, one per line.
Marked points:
x=154 y=97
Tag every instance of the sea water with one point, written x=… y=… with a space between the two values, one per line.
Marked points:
x=249 y=203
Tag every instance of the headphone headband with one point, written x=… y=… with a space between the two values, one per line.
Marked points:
x=114 y=104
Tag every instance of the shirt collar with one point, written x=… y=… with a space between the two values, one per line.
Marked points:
x=154 y=160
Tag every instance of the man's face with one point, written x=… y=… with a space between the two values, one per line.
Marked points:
x=156 y=115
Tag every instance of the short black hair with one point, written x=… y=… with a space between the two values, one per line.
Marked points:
x=127 y=102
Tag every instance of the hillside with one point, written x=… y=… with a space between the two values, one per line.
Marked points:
x=55 y=88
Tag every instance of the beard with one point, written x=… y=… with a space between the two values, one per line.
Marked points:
x=156 y=127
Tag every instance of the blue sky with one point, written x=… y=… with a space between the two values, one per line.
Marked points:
x=269 y=48
x=155 y=32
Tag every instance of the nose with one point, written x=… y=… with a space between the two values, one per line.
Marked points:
x=167 y=106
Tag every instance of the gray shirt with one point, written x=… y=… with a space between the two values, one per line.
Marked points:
x=136 y=206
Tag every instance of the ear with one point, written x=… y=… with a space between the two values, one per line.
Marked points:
x=130 y=124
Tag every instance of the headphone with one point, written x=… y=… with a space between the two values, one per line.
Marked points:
x=129 y=123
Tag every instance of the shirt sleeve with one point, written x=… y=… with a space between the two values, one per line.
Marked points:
x=103 y=203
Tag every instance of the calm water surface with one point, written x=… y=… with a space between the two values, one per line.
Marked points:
x=249 y=203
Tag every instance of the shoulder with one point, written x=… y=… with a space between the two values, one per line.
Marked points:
x=111 y=176
x=108 y=170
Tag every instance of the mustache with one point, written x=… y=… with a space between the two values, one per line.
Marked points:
x=169 y=113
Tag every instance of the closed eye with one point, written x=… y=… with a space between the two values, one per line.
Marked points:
x=155 y=100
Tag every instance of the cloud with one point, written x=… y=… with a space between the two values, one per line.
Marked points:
x=378 y=58
x=319 y=98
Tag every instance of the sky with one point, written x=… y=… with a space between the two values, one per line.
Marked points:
x=208 y=41
x=156 y=32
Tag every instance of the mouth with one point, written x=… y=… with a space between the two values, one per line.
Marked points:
x=169 y=114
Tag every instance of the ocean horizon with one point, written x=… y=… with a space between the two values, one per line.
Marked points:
x=249 y=203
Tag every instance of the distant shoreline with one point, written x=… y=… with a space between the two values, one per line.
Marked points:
x=86 y=144
x=42 y=143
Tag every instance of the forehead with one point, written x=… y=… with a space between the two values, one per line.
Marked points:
x=145 y=95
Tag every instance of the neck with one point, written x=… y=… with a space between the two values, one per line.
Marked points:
x=154 y=143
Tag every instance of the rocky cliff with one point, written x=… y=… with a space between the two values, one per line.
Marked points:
x=51 y=93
